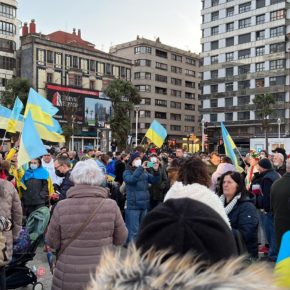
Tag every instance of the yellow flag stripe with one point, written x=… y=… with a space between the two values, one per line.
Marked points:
x=22 y=157
x=11 y=126
x=282 y=272
x=154 y=137
x=38 y=114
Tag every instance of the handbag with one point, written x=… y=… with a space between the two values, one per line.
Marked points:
x=240 y=243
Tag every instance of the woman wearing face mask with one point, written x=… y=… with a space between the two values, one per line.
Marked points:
x=137 y=181
x=36 y=181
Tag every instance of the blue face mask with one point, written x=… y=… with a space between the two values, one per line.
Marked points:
x=33 y=166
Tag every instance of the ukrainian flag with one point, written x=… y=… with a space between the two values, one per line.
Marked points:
x=282 y=268
x=30 y=146
x=5 y=115
x=15 y=114
x=229 y=147
x=41 y=109
x=156 y=133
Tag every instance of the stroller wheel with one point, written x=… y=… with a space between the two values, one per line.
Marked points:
x=37 y=286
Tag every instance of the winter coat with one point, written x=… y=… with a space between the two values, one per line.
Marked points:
x=211 y=167
x=80 y=258
x=200 y=193
x=156 y=190
x=137 y=187
x=65 y=185
x=132 y=272
x=119 y=170
x=281 y=170
x=244 y=218
x=221 y=169
x=280 y=201
x=10 y=207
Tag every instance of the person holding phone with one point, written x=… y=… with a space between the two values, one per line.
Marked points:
x=137 y=180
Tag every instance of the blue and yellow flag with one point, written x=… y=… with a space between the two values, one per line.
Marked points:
x=229 y=147
x=15 y=114
x=282 y=268
x=30 y=146
x=41 y=109
x=156 y=133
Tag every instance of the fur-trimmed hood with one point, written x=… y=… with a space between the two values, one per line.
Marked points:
x=200 y=193
x=150 y=272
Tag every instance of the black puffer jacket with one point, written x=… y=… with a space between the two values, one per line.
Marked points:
x=36 y=192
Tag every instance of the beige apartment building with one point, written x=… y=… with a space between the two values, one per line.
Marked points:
x=168 y=81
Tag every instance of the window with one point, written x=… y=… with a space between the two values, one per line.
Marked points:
x=277 y=47
x=176 y=57
x=145 y=101
x=175 y=127
x=75 y=62
x=123 y=72
x=244 y=69
x=142 y=50
x=214 y=30
x=260 y=35
x=177 y=70
x=175 y=117
x=229 y=56
x=190 y=107
x=92 y=65
x=243 y=23
x=7 y=45
x=7 y=28
x=214 y=88
x=260 y=83
x=213 y=103
x=160 y=103
x=188 y=129
x=279 y=80
x=260 y=19
x=277 y=31
x=160 y=65
x=245 y=53
x=214 y=59
x=92 y=85
x=160 y=115
x=175 y=93
x=159 y=90
x=260 y=66
x=215 y=16
x=230 y=41
x=189 y=84
x=213 y=117
x=100 y=68
x=229 y=26
x=108 y=68
x=229 y=71
x=58 y=60
x=260 y=50
x=142 y=76
x=49 y=78
x=175 y=105
x=176 y=82
x=40 y=56
x=214 y=44
x=276 y=1
x=160 y=78
x=229 y=87
x=278 y=113
x=161 y=53
x=143 y=62
x=190 y=61
x=244 y=38
x=245 y=7
x=279 y=97
x=7 y=11
x=143 y=88
x=49 y=56
x=244 y=115
x=144 y=114
x=228 y=117
x=74 y=80
x=277 y=64
x=214 y=2
x=214 y=74
x=189 y=118
x=243 y=85
x=260 y=3
x=228 y=102
x=276 y=15
x=243 y=100
x=189 y=72
x=189 y=95
x=230 y=11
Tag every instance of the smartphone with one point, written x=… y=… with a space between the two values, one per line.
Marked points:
x=150 y=164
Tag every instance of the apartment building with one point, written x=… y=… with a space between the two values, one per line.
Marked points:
x=245 y=51
x=168 y=81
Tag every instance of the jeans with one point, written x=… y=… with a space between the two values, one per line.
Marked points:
x=268 y=222
x=2 y=278
x=133 y=218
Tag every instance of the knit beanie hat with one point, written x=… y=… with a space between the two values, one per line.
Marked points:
x=133 y=156
x=185 y=225
x=265 y=163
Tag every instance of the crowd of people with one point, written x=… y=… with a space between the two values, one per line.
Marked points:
x=167 y=209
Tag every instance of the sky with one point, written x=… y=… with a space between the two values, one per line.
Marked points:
x=110 y=22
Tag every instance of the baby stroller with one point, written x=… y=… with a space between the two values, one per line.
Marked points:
x=18 y=274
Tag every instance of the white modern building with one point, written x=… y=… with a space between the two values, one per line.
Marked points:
x=245 y=52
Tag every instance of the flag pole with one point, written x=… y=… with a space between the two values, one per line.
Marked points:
x=142 y=140
x=4 y=138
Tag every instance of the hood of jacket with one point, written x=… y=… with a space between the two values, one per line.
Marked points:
x=151 y=272
x=85 y=190
x=200 y=193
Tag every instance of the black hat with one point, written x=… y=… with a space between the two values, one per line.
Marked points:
x=265 y=163
x=185 y=225
x=280 y=150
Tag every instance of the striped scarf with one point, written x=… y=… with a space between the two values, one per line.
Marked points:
x=231 y=204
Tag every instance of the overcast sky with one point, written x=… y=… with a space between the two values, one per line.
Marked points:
x=110 y=22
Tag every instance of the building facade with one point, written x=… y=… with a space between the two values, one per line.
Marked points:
x=245 y=51
x=168 y=81
x=9 y=35
x=63 y=67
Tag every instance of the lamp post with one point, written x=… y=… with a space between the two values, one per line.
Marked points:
x=98 y=138
x=202 y=135
x=72 y=137
x=279 y=131
x=137 y=108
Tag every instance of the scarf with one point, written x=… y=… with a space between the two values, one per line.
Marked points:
x=231 y=204
x=38 y=173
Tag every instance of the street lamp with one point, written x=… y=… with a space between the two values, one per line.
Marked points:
x=98 y=138
x=202 y=135
x=137 y=108
x=279 y=131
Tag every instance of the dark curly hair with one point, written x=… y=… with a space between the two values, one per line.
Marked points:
x=194 y=170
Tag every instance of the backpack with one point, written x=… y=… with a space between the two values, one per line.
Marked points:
x=3 y=250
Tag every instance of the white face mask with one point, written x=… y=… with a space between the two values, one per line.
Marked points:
x=33 y=166
x=137 y=163
x=153 y=159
